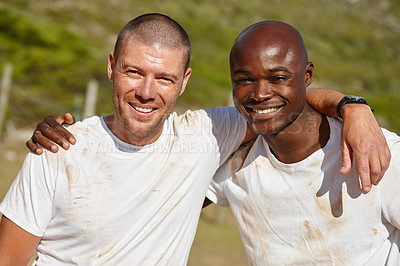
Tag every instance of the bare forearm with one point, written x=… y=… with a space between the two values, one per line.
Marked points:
x=324 y=100
x=361 y=135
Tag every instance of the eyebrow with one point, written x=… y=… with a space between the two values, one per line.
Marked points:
x=241 y=71
x=279 y=69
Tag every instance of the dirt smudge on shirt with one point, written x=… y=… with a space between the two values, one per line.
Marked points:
x=72 y=173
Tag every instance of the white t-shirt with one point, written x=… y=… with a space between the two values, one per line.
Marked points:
x=306 y=213
x=106 y=202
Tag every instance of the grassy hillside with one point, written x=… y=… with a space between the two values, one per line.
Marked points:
x=57 y=46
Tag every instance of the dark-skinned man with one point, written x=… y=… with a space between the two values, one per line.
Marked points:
x=291 y=205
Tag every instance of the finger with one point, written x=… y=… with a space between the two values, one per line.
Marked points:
x=54 y=133
x=374 y=167
x=347 y=158
x=364 y=172
x=388 y=155
x=56 y=124
x=33 y=147
x=384 y=160
x=69 y=119
x=44 y=142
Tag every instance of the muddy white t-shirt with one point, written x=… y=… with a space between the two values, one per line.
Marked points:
x=106 y=202
x=306 y=213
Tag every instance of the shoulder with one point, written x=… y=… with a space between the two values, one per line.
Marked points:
x=393 y=172
x=392 y=139
x=224 y=113
x=89 y=133
x=90 y=130
x=83 y=127
x=189 y=117
x=215 y=115
x=335 y=124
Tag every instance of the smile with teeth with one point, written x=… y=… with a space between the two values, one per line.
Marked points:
x=265 y=111
x=142 y=109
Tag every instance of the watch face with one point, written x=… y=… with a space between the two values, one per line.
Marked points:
x=356 y=99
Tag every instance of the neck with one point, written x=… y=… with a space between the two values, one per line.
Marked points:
x=307 y=134
x=129 y=135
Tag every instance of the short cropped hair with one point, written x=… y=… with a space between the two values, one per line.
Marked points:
x=155 y=28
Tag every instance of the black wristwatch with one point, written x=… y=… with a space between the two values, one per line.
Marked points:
x=349 y=99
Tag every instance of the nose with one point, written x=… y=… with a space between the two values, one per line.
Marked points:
x=261 y=91
x=146 y=91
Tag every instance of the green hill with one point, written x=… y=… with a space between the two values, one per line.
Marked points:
x=56 y=47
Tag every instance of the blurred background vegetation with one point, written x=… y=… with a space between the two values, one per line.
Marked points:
x=57 y=46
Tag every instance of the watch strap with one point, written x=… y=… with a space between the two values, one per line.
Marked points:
x=349 y=99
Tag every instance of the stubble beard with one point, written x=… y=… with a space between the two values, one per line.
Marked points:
x=140 y=129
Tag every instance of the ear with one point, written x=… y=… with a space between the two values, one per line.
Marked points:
x=185 y=79
x=110 y=66
x=309 y=75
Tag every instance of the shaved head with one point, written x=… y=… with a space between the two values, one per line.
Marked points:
x=270 y=73
x=271 y=33
x=154 y=29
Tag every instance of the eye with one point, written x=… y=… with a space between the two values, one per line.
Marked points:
x=278 y=79
x=165 y=80
x=132 y=72
x=243 y=81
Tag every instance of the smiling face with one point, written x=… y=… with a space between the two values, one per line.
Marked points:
x=147 y=81
x=269 y=73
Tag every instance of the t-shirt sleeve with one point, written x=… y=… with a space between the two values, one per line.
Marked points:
x=28 y=203
x=229 y=129
x=390 y=184
x=215 y=191
x=220 y=190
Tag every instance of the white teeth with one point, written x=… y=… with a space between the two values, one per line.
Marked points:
x=265 y=111
x=143 y=110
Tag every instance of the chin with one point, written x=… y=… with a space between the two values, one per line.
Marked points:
x=264 y=131
x=141 y=129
